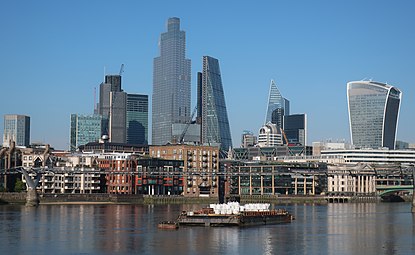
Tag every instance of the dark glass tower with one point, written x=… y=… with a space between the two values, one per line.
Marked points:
x=112 y=108
x=295 y=128
x=215 y=124
x=373 y=113
x=171 y=84
x=137 y=119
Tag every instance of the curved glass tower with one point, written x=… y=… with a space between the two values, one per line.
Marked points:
x=171 y=84
x=373 y=114
x=215 y=123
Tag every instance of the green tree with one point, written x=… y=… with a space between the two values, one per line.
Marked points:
x=19 y=186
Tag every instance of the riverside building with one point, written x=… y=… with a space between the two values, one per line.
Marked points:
x=200 y=169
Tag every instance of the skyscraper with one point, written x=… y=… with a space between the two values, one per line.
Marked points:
x=277 y=117
x=215 y=123
x=276 y=101
x=17 y=129
x=171 y=84
x=295 y=128
x=84 y=129
x=373 y=113
x=137 y=119
x=112 y=108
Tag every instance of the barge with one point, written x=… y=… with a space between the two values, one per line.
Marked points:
x=232 y=214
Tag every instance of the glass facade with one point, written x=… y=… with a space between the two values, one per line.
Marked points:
x=118 y=118
x=373 y=114
x=171 y=84
x=276 y=101
x=295 y=128
x=215 y=123
x=137 y=119
x=84 y=129
x=17 y=129
x=112 y=108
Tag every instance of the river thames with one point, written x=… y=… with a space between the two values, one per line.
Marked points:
x=354 y=228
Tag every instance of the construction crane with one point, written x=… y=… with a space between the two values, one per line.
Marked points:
x=121 y=69
x=187 y=126
x=285 y=137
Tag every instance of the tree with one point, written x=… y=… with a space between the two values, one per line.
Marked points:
x=19 y=186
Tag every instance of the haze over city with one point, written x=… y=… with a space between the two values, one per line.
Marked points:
x=53 y=55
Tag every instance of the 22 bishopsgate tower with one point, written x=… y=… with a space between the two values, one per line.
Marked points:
x=373 y=113
x=171 y=84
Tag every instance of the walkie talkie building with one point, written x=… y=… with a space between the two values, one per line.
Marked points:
x=373 y=114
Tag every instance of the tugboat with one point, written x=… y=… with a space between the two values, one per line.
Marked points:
x=168 y=225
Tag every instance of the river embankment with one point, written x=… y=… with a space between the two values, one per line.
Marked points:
x=20 y=198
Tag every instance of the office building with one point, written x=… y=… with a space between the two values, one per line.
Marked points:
x=84 y=129
x=215 y=123
x=277 y=117
x=373 y=114
x=269 y=135
x=248 y=139
x=137 y=119
x=17 y=129
x=295 y=129
x=112 y=108
x=171 y=84
x=276 y=101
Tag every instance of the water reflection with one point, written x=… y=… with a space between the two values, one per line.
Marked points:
x=124 y=229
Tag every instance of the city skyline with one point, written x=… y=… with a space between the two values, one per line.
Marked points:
x=311 y=50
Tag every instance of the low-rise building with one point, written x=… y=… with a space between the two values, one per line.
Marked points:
x=200 y=169
x=266 y=178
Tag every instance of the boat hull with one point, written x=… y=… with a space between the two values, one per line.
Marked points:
x=241 y=220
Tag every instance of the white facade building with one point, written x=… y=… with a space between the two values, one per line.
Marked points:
x=269 y=135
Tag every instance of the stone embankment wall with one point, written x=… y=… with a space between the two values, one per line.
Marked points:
x=20 y=198
x=13 y=197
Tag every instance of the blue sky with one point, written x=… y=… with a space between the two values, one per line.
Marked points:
x=53 y=55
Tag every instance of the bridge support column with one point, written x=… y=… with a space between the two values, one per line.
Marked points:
x=32 y=198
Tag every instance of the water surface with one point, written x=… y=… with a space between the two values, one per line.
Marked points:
x=383 y=228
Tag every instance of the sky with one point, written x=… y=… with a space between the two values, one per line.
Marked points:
x=54 y=54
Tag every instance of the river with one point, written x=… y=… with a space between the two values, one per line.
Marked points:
x=354 y=228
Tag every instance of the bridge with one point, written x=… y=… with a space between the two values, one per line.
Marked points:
x=387 y=189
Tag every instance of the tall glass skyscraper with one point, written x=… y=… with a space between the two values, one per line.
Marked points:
x=276 y=101
x=171 y=84
x=112 y=108
x=84 y=129
x=17 y=129
x=137 y=119
x=373 y=113
x=215 y=123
